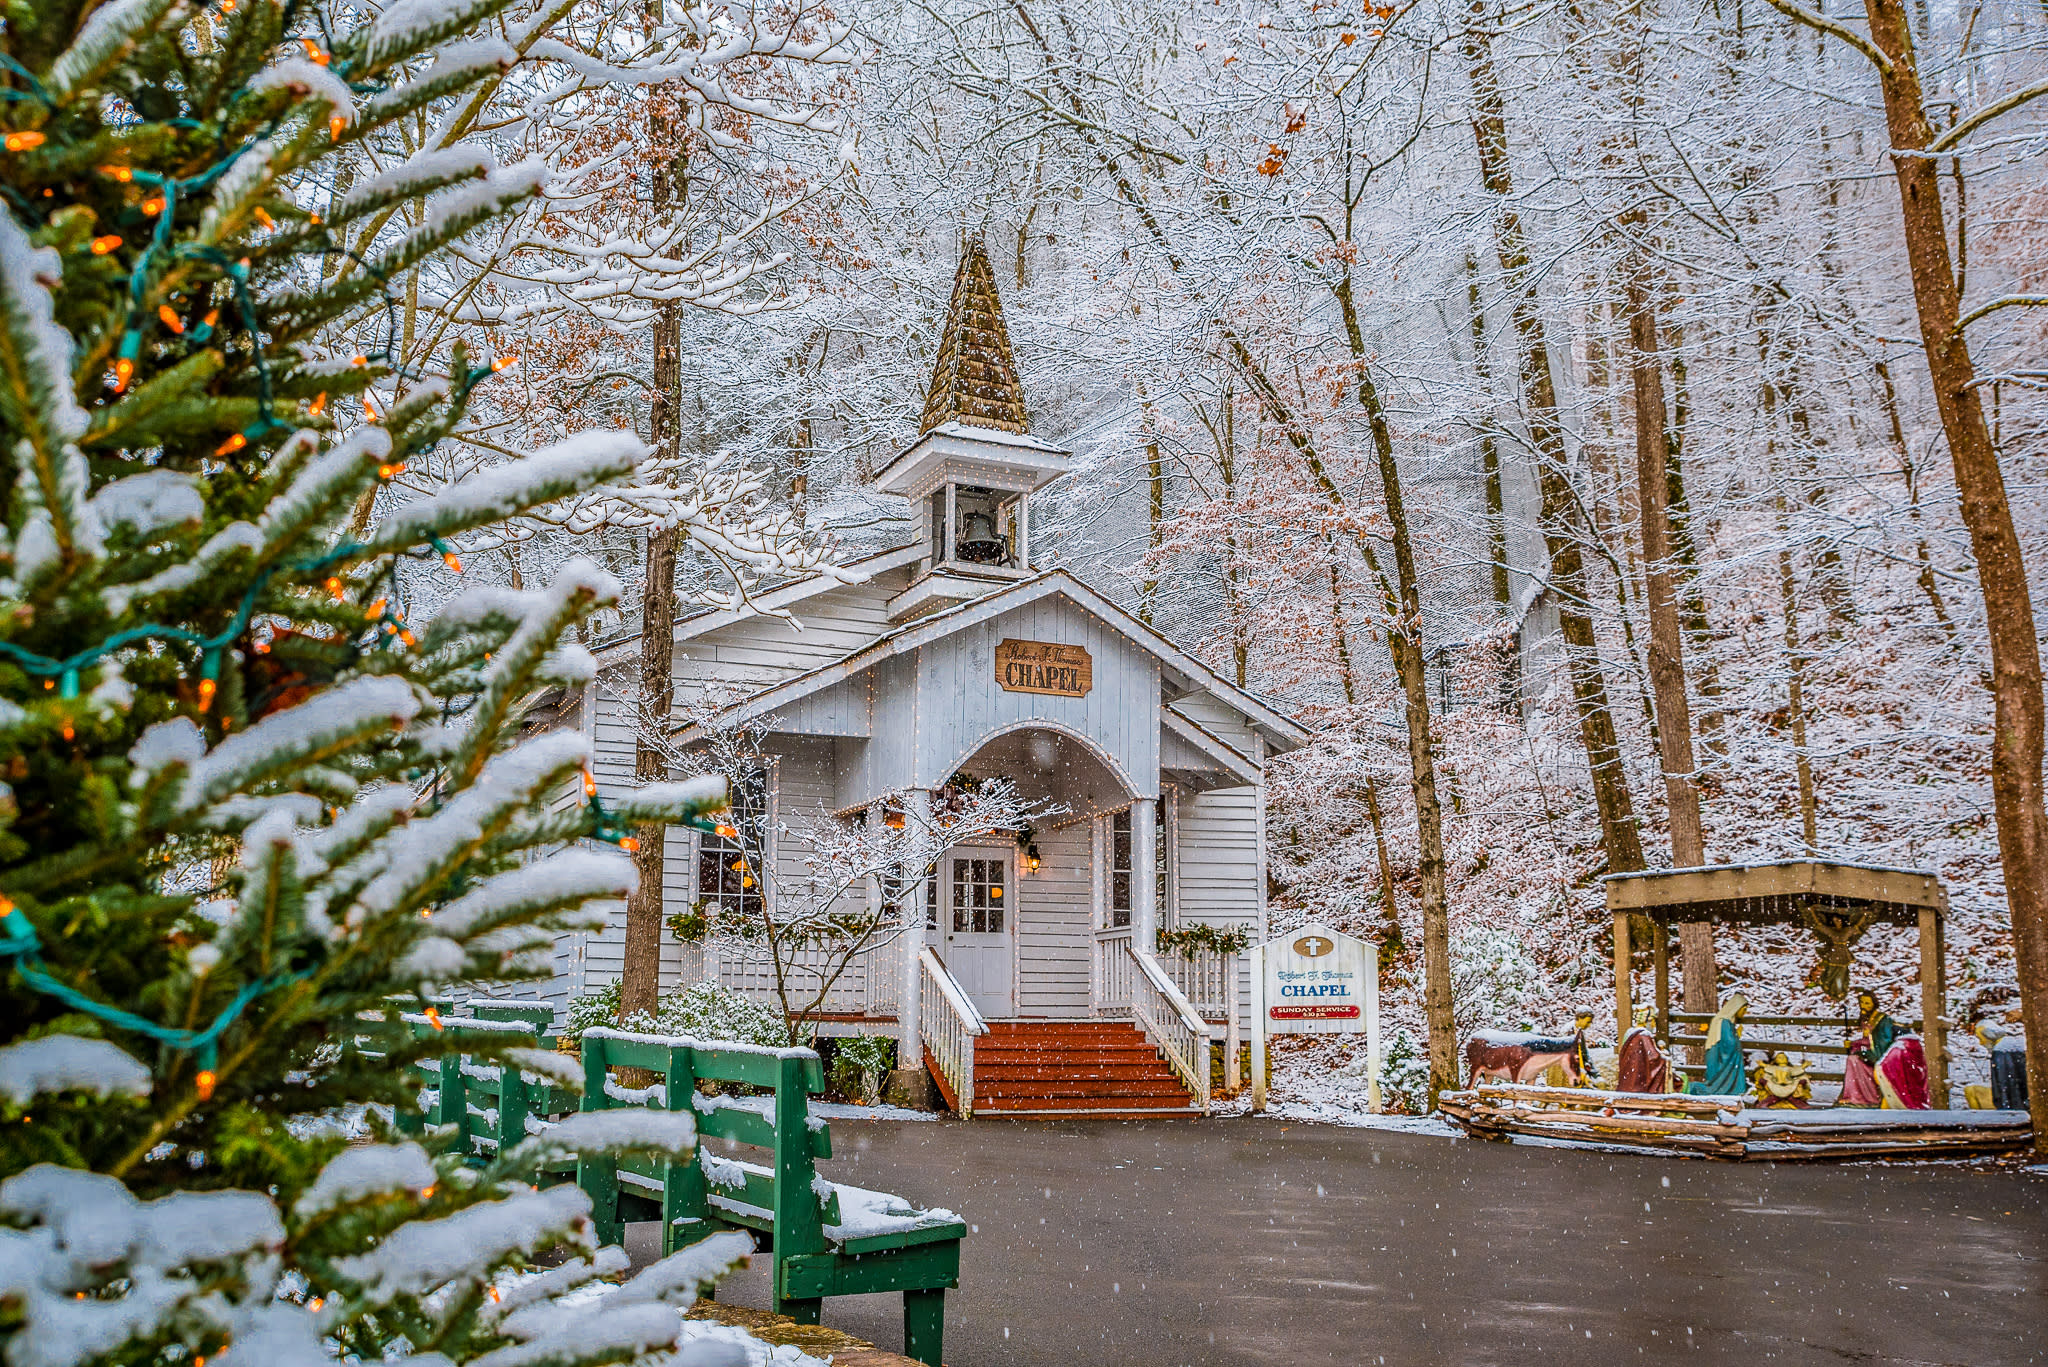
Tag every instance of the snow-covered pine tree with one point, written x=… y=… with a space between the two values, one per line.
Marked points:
x=249 y=806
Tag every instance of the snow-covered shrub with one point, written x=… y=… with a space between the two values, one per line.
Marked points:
x=1493 y=977
x=860 y=1063
x=704 y=1011
x=592 y=1009
x=1404 y=1075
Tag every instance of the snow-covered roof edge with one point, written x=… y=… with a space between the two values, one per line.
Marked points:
x=1280 y=730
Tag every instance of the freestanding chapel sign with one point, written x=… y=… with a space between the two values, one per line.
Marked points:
x=1044 y=667
x=1315 y=981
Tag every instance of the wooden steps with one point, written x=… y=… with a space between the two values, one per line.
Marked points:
x=1097 y=1069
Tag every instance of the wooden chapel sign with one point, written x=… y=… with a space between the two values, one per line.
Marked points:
x=1044 y=667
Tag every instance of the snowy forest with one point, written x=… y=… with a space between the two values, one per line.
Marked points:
x=1615 y=431
x=1370 y=328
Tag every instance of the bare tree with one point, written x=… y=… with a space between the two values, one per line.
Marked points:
x=1563 y=518
x=856 y=881
x=2016 y=779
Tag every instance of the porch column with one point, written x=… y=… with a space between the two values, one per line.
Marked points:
x=917 y=813
x=1144 y=874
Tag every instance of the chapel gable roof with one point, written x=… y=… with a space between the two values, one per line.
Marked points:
x=1280 y=730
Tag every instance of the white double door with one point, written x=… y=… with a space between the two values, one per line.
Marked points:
x=977 y=913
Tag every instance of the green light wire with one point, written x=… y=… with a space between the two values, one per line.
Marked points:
x=22 y=944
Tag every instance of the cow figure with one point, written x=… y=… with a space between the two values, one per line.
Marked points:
x=1516 y=1056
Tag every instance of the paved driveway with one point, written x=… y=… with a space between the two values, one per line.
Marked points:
x=1161 y=1244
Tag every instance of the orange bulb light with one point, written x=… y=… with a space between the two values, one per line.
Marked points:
x=124 y=371
x=21 y=142
x=433 y=1014
x=504 y=363
x=207 y=688
x=102 y=245
x=120 y=173
x=170 y=318
x=153 y=205
x=589 y=784
x=630 y=845
x=452 y=561
x=231 y=445
x=204 y=1083
x=318 y=405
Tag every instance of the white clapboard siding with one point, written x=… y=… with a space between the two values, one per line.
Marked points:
x=1218 y=836
x=1218 y=858
x=765 y=650
x=1055 y=907
x=1219 y=719
x=805 y=772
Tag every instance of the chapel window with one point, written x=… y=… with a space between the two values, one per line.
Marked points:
x=731 y=872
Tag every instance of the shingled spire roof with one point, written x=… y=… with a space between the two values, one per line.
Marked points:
x=975 y=381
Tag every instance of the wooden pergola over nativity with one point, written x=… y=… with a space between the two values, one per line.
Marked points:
x=1837 y=902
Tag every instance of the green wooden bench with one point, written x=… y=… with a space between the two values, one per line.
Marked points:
x=490 y=1106
x=827 y=1239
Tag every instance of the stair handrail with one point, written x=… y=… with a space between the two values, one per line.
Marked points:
x=948 y=1025
x=1178 y=1030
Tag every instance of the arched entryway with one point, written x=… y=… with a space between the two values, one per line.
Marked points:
x=1013 y=915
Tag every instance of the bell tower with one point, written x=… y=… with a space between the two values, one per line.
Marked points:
x=974 y=466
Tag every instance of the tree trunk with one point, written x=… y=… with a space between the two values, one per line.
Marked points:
x=1404 y=643
x=1667 y=652
x=1489 y=448
x=2008 y=608
x=1678 y=514
x=640 y=974
x=1155 y=508
x=1910 y=473
x=1795 y=695
x=1390 y=912
x=1620 y=836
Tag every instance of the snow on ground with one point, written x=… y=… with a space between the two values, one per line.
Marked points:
x=840 y=1110
x=1297 y=1111
x=699 y=1335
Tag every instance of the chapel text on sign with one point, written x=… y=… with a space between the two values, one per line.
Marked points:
x=1044 y=667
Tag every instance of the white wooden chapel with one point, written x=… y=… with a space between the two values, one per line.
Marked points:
x=957 y=654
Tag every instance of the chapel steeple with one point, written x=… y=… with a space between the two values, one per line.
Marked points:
x=975 y=381
x=975 y=464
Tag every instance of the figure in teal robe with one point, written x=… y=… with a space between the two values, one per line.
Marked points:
x=1725 y=1073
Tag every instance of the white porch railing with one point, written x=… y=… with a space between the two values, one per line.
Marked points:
x=869 y=986
x=1171 y=1023
x=1208 y=981
x=1114 y=968
x=949 y=1025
